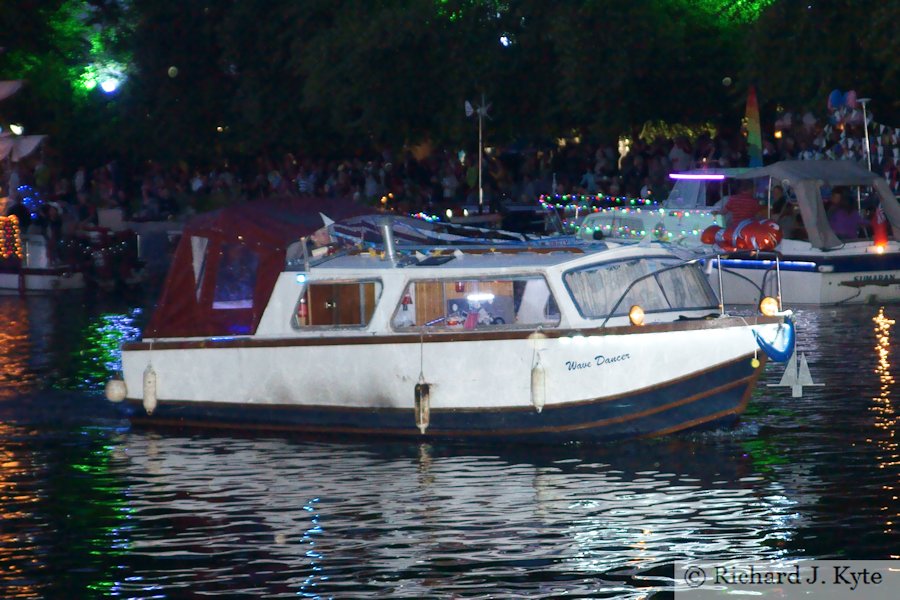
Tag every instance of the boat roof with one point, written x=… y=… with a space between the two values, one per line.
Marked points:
x=828 y=172
x=724 y=171
x=467 y=259
x=806 y=177
x=227 y=263
x=278 y=220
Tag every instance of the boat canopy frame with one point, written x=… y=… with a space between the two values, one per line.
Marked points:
x=806 y=178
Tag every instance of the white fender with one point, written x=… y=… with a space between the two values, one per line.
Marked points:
x=423 y=405
x=538 y=386
x=149 y=389
x=115 y=390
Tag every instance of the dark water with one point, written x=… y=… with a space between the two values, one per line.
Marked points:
x=90 y=508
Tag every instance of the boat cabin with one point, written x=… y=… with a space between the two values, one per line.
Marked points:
x=491 y=289
x=252 y=270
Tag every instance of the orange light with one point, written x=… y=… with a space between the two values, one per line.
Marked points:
x=10 y=237
x=778 y=135
x=768 y=306
x=636 y=315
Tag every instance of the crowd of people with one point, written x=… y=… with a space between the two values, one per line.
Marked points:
x=412 y=180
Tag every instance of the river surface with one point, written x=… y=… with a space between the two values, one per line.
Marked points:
x=90 y=508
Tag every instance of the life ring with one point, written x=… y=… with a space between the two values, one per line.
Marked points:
x=749 y=234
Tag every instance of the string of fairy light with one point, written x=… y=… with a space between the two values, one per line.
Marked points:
x=99 y=245
x=591 y=201
x=10 y=237
x=625 y=223
x=619 y=214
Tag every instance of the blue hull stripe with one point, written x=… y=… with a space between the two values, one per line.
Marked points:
x=839 y=264
x=706 y=398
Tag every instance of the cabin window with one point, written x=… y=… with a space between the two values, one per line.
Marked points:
x=598 y=288
x=476 y=304
x=332 y=303
x=235 y=277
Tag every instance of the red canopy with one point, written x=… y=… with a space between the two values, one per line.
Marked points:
x=228 y=260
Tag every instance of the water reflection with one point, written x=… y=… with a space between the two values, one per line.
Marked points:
x=885 y=415
x=61 y=342
x=19 y=550
x=99 y=353
x=15 y=348
x=90 y=508
x=64 y=520
x=427 y=521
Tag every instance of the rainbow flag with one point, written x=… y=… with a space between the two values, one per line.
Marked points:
x=754 y=130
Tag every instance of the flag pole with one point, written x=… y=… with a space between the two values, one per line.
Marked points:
x=480 y=188
x=865 y=101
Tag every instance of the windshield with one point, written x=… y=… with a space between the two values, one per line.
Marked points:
x=596 y=289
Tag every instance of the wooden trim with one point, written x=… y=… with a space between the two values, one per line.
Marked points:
x=430 y=337
x=695 y=422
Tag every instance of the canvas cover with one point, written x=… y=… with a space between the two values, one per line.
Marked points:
x=17 y=147
x=8 y=88
x=227 y=261
x=806 y=178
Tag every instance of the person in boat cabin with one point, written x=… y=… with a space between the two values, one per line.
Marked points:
x=787 y=215
x=742 y=205
x=843 y=217
x=318 y=243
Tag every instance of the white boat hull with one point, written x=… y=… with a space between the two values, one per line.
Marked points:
x=40 y=280
x=854 y=274
x=35 y=272
x=621 y=382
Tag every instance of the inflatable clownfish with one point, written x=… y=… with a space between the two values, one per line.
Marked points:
x=749 y=234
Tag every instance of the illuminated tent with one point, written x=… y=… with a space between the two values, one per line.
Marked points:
x=16 y=147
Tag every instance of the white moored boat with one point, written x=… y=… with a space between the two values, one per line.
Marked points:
x=814 y=266
x=26 y=264
x=679 y=219
x=820 y=268
x=516 y=341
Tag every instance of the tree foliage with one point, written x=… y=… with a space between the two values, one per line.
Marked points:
x=800 y=50
x=240 y=78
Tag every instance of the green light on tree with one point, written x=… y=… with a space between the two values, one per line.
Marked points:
x=731 y=11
